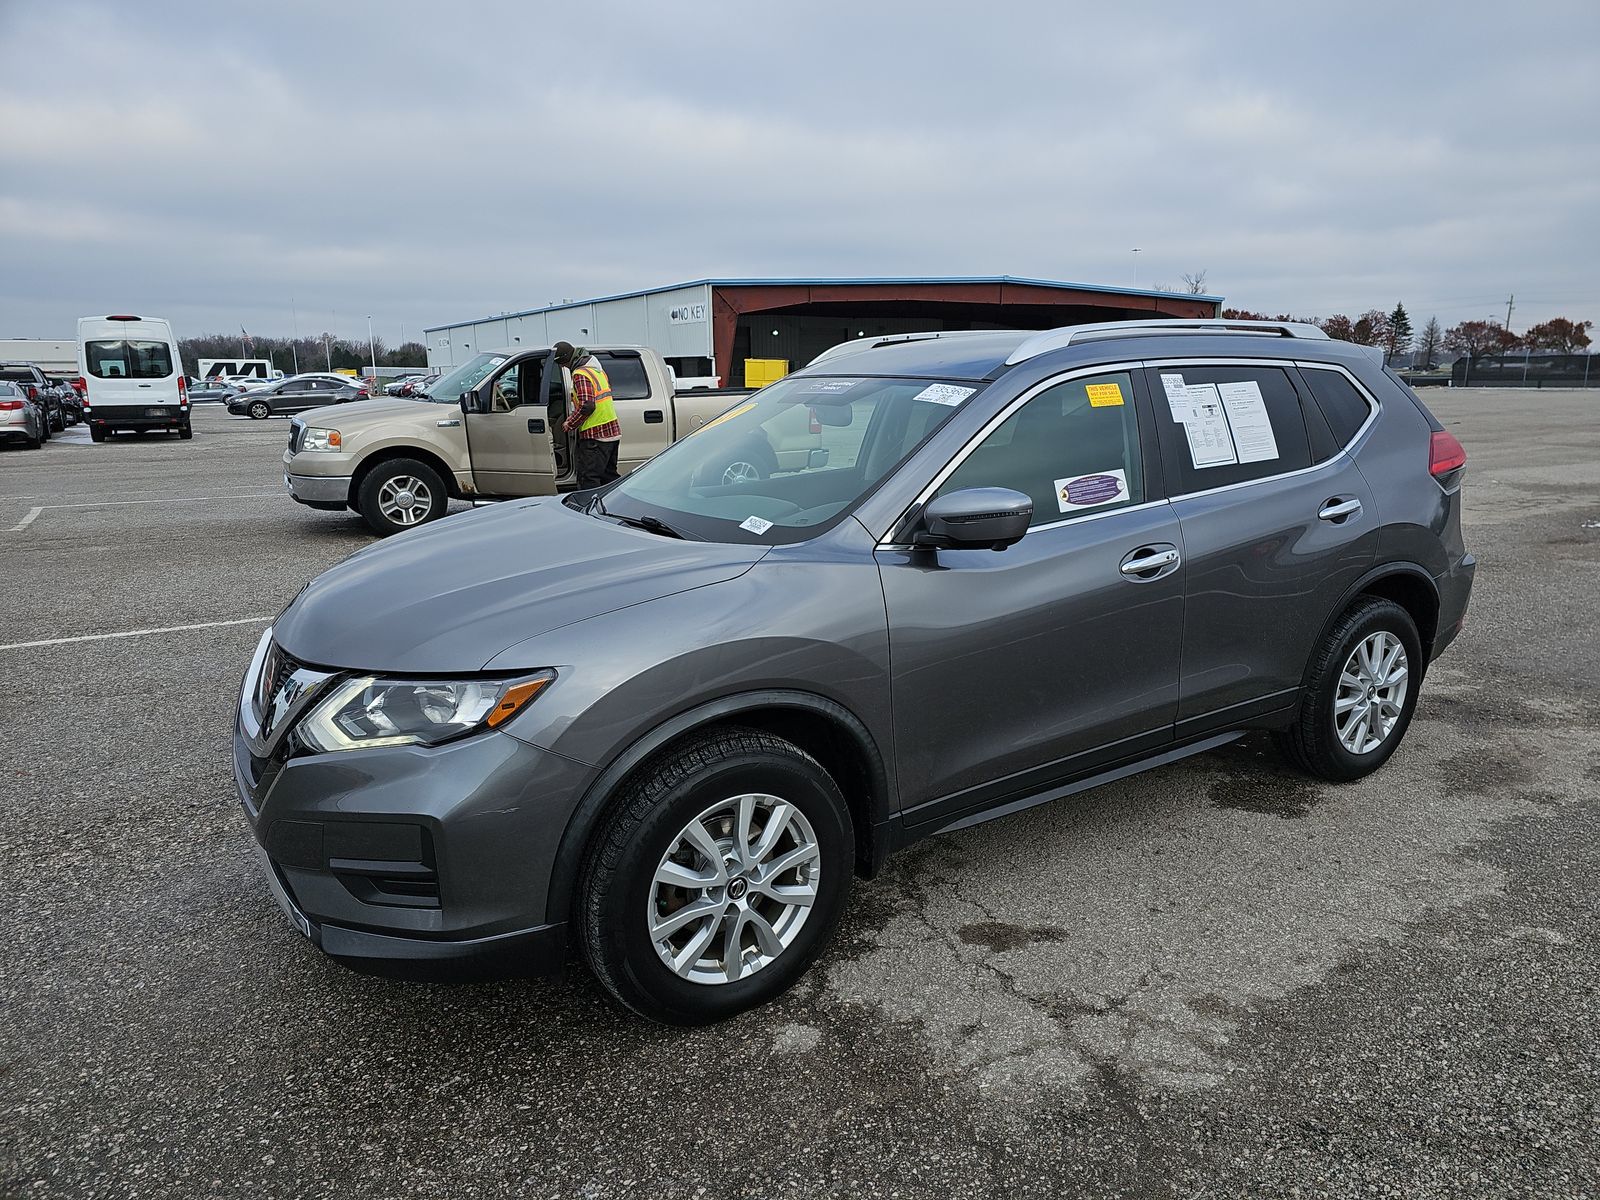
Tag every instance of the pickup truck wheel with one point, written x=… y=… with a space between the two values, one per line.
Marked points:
x=401 y=494
x=96 y=434
x=718 y=878
x=185 y=432
x=259 y=410
x=1363 y=690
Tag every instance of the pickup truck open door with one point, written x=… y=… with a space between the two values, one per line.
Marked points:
x=512 y=428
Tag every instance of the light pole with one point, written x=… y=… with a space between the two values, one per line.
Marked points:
x=327 y=345
x=1136 y=266
x=294 y=346
x=372 y=345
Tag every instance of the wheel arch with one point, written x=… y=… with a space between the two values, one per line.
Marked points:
x=388 y=454
x=826 y=730
x=1405 y=583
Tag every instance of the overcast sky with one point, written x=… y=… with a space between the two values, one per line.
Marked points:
x=426 y=163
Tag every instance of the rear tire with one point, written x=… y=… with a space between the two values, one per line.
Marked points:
x=32 y=442
x=1369 y=668
x=401 y=494
x=779 y=901
x=185 y=432
x=96 y=434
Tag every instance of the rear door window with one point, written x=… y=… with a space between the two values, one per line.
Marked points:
x=627 y=375
x=1074 y=448
x=1227 y=424
x=128 y=359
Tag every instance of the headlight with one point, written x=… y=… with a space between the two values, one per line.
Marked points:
x=366 y=712
x=321 y=439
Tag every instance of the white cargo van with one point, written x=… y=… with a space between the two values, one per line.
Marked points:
x=133 y=377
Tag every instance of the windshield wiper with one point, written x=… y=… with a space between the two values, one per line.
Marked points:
x=646 y=522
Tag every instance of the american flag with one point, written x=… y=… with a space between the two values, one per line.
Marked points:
x=250 y=342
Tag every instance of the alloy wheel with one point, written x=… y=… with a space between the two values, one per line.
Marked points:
x=1371 y=693
x=734 y=889
x=405 y=500
x=740 y=472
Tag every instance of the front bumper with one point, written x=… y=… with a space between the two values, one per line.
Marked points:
x=319 y=490
x=407 y=860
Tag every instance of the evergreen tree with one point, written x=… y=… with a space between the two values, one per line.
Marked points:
x=1397 y=334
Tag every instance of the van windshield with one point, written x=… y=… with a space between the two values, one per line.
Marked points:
x=469 y=374
x=789 y=461
x=128 y=359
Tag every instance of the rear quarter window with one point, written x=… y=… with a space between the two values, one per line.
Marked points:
x=1341 y=402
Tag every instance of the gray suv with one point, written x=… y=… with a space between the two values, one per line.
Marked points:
x=662 y=724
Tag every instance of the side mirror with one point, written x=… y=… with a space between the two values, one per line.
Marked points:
x=817 y=459
x=974 y=519
x=472 y=401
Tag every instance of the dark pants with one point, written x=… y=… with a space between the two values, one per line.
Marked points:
x=596 y=462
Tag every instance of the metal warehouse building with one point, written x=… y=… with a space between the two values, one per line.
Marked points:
x=749 y=331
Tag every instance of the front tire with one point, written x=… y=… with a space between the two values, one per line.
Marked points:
x=401 y=494
x=260 y=410
x=717 y=879
x=1363 y=689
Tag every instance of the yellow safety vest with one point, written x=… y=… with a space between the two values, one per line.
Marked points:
x=604 y=412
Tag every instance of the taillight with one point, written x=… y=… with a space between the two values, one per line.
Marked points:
x=1445 y=454
x=816 y=423
x=183 y=389
x=10 y=405
x=33 y=392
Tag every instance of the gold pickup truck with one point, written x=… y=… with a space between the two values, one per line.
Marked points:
x=491 y=429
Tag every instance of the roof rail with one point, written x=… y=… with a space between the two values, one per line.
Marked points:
x=897 y=339
x=1055 y=339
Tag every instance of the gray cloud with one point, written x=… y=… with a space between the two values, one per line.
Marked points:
x=209 y=162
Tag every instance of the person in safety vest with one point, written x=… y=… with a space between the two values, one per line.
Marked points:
x=593 y=419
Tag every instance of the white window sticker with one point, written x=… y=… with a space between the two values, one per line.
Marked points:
x=829 y=387
x=1210 y=443
x=755 y=525
x=1078 y=492
x=944 y=393
x=1247 y=418
x=1177 y=397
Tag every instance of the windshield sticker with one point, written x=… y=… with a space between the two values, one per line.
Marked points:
x=1078 y=492
x=946 y=393
x=1247 y=418
x=1177 y=397
x=1104 y=395
x=755 y=525
x=829 y=387
x=727 y=416
x=1210 y=443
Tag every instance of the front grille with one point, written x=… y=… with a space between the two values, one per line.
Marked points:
x=297 y=435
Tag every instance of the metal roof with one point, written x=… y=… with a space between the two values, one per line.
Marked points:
x=810 y=281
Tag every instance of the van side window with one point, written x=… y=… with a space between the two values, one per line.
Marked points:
x=1223 y=425
x=1074 y=448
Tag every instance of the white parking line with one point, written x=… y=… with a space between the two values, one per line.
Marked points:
x=128 y=633
x=26 y=521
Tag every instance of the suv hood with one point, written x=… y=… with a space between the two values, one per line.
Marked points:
x=449 y=596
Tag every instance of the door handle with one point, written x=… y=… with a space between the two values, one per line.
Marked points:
x=535 y=425
x=654 y=416
x=1140 y=563
x=1338 y=510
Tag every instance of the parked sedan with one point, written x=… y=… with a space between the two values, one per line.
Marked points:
x=296 y=395
x=21 y=419
x=215 y=388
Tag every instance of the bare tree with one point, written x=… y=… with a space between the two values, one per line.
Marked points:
x=1194 y=283
x=1431 y=343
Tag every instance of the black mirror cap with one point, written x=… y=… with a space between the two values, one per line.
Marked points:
x=975 y=519
x=471 y=401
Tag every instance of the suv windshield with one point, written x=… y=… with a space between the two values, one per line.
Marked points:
x=469 y=374
x=790 y=460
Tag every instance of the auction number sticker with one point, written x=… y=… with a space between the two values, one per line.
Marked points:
x=1078 y=492
x=755 y=525
x=944 y=393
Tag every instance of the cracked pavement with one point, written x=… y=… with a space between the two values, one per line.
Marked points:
x=1218 y=978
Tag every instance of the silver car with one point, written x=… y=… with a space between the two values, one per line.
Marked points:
x=21 y=419
x=661 y=725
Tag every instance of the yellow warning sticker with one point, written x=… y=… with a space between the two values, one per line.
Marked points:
x=1104 y=395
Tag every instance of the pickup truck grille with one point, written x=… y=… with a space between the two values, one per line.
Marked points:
x=297 y=435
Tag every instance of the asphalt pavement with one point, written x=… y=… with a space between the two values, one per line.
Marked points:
x=1215 y=979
